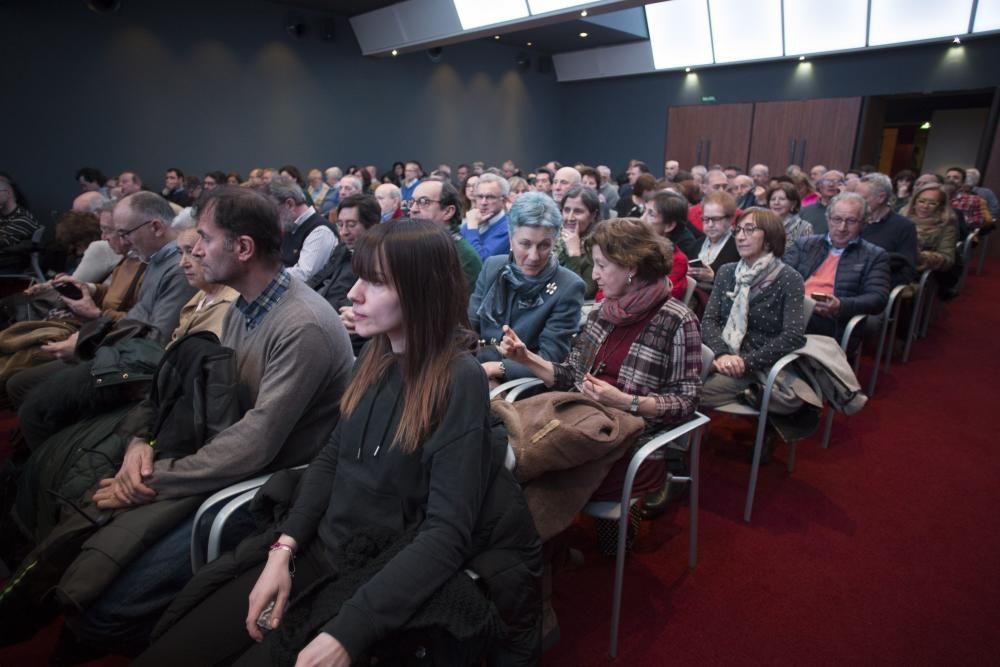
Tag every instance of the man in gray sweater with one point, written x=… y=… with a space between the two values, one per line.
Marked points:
x=293 y=360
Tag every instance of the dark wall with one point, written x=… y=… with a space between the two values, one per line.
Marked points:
x=221 y=85
x=625 y=118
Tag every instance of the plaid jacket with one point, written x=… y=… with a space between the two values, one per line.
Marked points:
x=664 y=361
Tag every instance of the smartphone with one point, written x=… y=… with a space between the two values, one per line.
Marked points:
x=68 y=290
x=819 y=296
x=264 y=620
x=697 y=263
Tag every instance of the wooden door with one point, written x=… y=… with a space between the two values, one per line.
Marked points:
x=776 y=132
x=709 y=134
x=805 y=133
x=828 y=130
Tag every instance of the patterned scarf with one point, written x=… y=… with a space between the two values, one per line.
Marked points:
x=637 y=304
x=746 y=278
x=709 y=252
x=511 y=282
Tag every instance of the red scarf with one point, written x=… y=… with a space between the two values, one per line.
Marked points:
x=637 y=304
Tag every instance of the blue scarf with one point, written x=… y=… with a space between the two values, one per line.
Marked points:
x=512 y=283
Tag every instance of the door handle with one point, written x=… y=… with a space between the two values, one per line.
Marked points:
x=802 y=155
x=697 y=158
x=708 y=154
x=792 y=144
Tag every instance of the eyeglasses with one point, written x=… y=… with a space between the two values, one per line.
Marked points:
x=487 y=197
x=747 y=229
x=423 y=202
x=715 y=220
x=837 y=220
x=124 y=233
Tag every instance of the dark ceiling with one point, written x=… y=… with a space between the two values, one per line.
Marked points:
x=558 y=37
x=346 y=8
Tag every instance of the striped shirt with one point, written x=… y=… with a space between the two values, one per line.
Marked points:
x=254 y=311
x=664 y=361
x=18 y=226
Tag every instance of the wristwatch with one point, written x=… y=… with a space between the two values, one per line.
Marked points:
x=634 y=408
x=503 y=371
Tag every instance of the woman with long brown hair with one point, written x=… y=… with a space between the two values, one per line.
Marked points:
x=410 y=460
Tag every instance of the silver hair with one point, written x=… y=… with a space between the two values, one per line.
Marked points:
x=535 y=209
x=393 y=190
x=333 y=171
x=150 y=206
x=494 y=178
x=96 y=203
x=849 y=197
x=360 y=182
x=972 y=177
x=879 y=182
x=284 y=187
x=184 y=221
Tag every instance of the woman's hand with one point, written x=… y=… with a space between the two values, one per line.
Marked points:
x=730 y=364
x=324 y=651
x=511 y=347
x=604 y=393
x=273 y=585
x=347 y=317
x=492 y=369
x=571 y=241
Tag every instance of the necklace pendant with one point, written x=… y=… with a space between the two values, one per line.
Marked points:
x=551 y=288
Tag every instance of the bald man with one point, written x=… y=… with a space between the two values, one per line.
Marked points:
x=565 y=178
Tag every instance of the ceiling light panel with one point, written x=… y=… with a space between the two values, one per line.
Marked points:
x=744 y=30
x=896 y=21
x=679 y=33
x=987 y=16
x=814 y=26
x=479 y=13
x=546 y=6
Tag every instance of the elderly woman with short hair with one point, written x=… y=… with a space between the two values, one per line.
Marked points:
x=784 y=201
x=527 y=290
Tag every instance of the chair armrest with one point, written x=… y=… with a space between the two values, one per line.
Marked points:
x=510 y=384
x=852 y=324
x=220 y=520
x=516 y=392
x=659 y=440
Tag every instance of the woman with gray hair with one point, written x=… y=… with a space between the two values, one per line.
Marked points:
x=527 y=291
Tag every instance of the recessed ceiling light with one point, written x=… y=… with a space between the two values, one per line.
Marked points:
x=687 y=69
x=529 y=43
x=496 y=36
x=583 y=34
x=956 y=41
x=802 y=58
x=583 y=13
x=395 y=52
x=926 y=125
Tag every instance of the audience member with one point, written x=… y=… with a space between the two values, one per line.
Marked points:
x=412 y=174
x=632 y=202
x=973 y=207
x=844 y=274
x=17 y=226
x=530 y=292
x=307 y=240
x=828 y=186
x=887 y=229
x=972 y=179
x=565 y=178
x=91 y=180
x=355 y=215
x=670 y=169
x=543 y=180
x=173 y=187
x=128 y=183
x=518 y=186
x=441 y=204
x=581 y=211
x=485 y=226
x=902 y=188
x=666 y=214
x=719 y=247
x=937 y=231
x=390 y=202
x=783 y=200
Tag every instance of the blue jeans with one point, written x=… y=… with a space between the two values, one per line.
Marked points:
x=130 y=607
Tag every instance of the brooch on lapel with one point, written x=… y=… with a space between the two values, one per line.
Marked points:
x=551 y=288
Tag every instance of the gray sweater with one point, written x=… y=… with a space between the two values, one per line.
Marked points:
x=164 y=292
x=293 y=368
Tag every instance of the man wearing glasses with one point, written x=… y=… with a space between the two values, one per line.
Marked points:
x=440 y=203
x=142 y=224
x=844 y=274
x=829 y=185
x=485 y=226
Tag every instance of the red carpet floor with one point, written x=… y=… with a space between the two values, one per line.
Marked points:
x=880 y=550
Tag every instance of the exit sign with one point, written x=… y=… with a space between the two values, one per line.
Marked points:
x=708 y=99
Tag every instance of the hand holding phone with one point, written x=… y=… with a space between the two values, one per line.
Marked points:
x=820 y=297
x=696 y=263
x=68 y=290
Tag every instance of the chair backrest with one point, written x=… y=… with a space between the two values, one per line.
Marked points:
x=689 y=291
x=807 y=308
x=707 y=357
x=38 y=235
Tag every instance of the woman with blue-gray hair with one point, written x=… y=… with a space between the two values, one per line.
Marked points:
x=527 y=290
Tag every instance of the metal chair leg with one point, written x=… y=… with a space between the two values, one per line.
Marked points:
x=828 y=426
x=918 y=306
x=984 y=244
